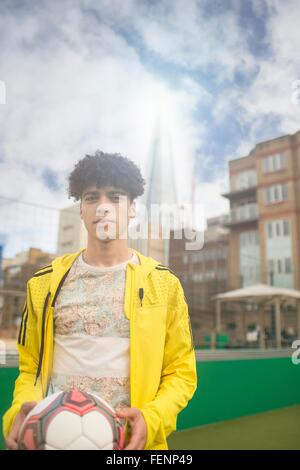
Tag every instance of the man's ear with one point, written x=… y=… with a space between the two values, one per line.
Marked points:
x=132 y=210
x=80 y=208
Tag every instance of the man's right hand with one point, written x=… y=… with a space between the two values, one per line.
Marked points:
x=13 y=437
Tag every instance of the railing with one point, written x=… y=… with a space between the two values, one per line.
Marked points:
x=243 y=213
x=205 y=355
x=237 y=354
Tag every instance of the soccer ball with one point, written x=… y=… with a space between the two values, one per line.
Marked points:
x=72 y=420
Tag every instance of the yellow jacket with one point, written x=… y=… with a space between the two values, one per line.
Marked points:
x=163 y=375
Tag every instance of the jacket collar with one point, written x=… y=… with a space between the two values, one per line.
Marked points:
x=62 y=264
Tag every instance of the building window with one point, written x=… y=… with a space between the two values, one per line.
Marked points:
x=288 y=265
x=279 y=253
x=249 y=257
x=271 y=265
x=198 y=277
x=276 y=193
x=278 y=228
x=245 y=179
x=280 y=266
x=249 y=238
x=286 y=228
x=274 y=163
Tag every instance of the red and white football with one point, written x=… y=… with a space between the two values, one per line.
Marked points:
x=72 y=420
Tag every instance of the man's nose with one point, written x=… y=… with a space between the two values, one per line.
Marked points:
x=103 y=208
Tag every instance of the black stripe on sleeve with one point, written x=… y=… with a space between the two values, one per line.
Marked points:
x=42 y=273
x=25 y=326
x=21 y=325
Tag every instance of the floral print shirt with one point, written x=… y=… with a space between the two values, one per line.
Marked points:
x=91 y=340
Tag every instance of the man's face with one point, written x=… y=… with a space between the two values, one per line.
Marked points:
x=106 y=212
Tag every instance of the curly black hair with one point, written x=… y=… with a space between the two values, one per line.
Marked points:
x=106 y=169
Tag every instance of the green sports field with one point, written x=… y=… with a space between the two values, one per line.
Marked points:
x=278 y=429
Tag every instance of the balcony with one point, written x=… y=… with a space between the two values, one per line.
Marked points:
x=242 y=215
x=247 y=191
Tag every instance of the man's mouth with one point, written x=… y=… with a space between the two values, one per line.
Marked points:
x=103 y=221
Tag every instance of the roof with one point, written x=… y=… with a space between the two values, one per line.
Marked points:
x=258 y=291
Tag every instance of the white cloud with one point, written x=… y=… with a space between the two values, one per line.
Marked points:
x=80 y=89
x=181 y=33
x=270 y=93
x=91 y=91
x=74 y=84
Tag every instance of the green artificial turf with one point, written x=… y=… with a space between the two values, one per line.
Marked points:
x=279 y=429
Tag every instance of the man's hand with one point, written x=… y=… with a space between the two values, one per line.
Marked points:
x=138 y=427
x=13 y=437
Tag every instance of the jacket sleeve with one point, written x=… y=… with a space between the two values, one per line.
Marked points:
x=179 y=373
x=24 y=389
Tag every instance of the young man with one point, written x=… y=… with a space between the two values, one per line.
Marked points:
x=107 y=320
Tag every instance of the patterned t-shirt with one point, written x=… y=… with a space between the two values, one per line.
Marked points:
x=91 y=340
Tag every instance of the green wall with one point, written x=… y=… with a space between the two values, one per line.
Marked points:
x=232 y=388
x=7 y=381
x=226 y=389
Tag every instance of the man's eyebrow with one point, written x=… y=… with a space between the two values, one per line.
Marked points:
x=94 y=193
x=116 y=191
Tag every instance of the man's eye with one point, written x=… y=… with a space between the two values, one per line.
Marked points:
x=90 y=198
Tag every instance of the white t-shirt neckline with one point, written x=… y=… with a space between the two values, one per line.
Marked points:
x=103 y=269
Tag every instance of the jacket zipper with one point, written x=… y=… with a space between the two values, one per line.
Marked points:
x=59 y=287
x=132 y=297
x=44 y=322
x=42 y=338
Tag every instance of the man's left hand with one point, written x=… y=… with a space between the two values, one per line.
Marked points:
x=137 y=425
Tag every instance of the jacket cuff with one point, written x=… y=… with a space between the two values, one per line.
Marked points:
x=155 y=430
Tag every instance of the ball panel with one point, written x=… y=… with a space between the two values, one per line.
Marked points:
x=47 y=404
x=41 y=408
x=63 y=428
x=104 y=405
x=77 y=401
x=82 y=443
x=97 y=428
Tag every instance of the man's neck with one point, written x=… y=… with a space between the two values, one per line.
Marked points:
x=106 y=254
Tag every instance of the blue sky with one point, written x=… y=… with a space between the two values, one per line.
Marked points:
x=85 y=75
